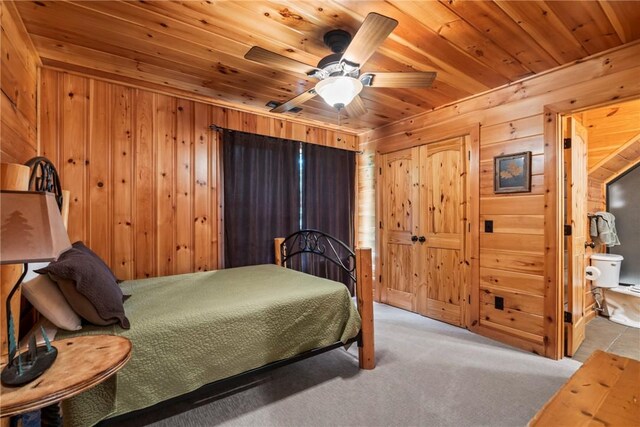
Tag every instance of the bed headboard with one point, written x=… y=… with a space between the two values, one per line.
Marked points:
x=318 y=243
x=44 y=177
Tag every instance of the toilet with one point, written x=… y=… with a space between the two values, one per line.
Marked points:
x=622 y=302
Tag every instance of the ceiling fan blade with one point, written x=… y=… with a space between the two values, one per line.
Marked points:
x=417 y=79
x=373 y=31
x=294 y=102
x=356 y=107
x=273 y=59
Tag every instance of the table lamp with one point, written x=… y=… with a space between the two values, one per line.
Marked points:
x=31 y=230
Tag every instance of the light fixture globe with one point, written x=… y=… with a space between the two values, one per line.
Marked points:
x=338 y=91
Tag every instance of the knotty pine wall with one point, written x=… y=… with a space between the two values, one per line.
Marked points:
x=143 y=170
x=18 y=83
x=518 y=261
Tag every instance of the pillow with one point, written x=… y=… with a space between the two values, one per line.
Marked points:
x=81 y=247
x=45 y=296
x=92 y=281
x=81 y=304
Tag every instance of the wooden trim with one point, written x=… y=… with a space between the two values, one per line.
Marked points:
x=615 y=153
x=554 y=263
x=473 y=241
x=364 y=294
x=378 y=237
x=620 y=172
x=277 y=243
x=217 y=147
x=15 y=16
x=430 y=136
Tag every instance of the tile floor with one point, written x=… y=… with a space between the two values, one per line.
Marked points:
x=603 y=334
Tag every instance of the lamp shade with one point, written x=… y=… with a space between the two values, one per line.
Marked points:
x=338 y=91
x=31 y=227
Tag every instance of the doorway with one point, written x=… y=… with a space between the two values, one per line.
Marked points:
x=424 y=250
x=600 y=144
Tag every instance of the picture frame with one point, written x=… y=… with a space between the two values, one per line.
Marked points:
x=512 y=173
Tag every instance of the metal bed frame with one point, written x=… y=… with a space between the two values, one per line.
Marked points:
x=286 y=249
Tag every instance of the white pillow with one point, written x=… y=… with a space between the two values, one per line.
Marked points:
x=47 y=298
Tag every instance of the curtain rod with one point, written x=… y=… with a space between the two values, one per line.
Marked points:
x=220 y=129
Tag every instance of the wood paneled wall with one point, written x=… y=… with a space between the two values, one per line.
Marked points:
x=143 y=170
x=518 y=261
x=18 y=81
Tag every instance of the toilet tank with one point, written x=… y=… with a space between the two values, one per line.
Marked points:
x=609 y=266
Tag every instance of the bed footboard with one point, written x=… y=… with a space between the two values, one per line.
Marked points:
x=360 y=270
x=364 y=294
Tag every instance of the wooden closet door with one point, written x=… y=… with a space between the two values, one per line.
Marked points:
x=442 y=224
x=399 y=225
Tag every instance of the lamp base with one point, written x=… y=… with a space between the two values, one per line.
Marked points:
x=32 y=369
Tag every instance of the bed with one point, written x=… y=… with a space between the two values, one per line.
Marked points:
x=192 y=330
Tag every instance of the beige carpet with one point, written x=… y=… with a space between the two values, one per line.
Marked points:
x=428 y=374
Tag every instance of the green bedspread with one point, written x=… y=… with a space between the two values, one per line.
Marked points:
x=193 y=329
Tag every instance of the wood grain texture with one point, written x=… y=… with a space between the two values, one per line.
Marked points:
x=143 y=170
x=610 y=128
x=364 y=291
x=513 y=119
x=575 y=166
x=604 y=391
x=18 y=84
x=199 y=47
x=82 y=363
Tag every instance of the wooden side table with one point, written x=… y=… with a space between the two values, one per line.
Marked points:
x=82 y=363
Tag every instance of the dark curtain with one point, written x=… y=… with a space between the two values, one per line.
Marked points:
x=261 y=195
x=328 y=202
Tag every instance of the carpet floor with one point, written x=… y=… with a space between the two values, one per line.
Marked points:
x=428 y=374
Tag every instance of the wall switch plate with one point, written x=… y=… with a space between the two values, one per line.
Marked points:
x=488 y=226
x=499 y=303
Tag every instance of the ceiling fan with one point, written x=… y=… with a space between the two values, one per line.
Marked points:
x=339 y=73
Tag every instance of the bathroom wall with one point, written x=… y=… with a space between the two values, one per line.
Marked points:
x=623 y=200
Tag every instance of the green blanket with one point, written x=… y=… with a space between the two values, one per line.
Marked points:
x=193 y=329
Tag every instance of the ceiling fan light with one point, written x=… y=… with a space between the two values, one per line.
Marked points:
x=339 y=91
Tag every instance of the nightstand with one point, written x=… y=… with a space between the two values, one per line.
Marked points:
x=82 y=363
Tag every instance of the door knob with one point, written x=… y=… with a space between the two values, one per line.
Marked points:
x=422 y=239
x=414 y=238
x=589 y=245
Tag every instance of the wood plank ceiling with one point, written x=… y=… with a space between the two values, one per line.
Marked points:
x=198 y=46
x=610 y=128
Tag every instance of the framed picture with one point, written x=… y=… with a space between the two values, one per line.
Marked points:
x=512 y=173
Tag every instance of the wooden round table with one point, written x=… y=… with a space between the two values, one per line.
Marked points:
x=82 y=363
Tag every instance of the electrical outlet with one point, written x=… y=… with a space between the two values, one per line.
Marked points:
x=488 y=226
x=499 y=303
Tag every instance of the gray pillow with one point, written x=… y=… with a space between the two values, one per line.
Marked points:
x=81 y=247
x=93 y=282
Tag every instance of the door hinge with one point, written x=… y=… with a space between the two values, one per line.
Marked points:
x=469 y=299
x=379 y=171
x=568 y=317
x=567 y=230
x=380 y=278
x=469 y=227
x=380 y=225
x=469 y=152
x=567 y=143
